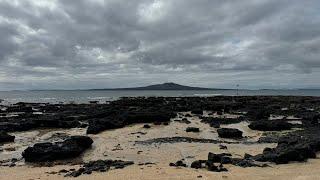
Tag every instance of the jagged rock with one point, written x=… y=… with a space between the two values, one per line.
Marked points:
x=70 y=148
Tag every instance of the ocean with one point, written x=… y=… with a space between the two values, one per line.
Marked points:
x=78 y=96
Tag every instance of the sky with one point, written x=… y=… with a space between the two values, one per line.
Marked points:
x=80 y=44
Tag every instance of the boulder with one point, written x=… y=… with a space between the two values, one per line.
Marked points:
x=70 y=148
x=229 y=133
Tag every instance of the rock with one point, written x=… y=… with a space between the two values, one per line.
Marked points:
x=185 y=120
x=229 y=133
x=192 y=129
x=212 y=167
x=5 y=137
x=146 y=126
x=148 y=117
x=101 y=166
x=21 y=124
x=214 y=121
x=269 y=125
x=198 y=164
x=290 y=149
x=258 y=114
x=70 y=148
x=247 y=156
x=217 y=158
x=245 y=163
x=98 y=125
x=226 y=160
x=115 y=120
x=179 y=163
x=214 y=124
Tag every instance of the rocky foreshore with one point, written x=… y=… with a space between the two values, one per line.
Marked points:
x=291 y=123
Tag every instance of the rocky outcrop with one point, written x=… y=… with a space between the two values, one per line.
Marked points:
x=119 y=120
x=291 y=148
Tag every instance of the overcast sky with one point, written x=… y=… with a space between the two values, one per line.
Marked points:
x=71 y=44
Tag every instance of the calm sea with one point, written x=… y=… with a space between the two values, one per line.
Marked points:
x=107 y=95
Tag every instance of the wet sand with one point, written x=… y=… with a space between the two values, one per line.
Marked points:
x=120 y=144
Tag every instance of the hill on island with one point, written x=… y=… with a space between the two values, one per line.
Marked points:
x=164 y=86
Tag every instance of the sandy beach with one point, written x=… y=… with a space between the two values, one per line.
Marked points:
x=153 y=148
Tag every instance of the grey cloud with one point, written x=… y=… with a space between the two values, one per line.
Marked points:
x=61 y=42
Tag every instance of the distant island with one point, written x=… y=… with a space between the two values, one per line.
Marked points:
x=164 y=86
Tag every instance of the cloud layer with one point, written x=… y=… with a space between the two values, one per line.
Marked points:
x=65 y=44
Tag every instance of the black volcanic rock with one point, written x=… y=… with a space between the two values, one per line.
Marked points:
x=219 y=158
x=179 y=163
x=293 y=147
x=5 y=137
x=269 y=125
x=99 y=166
x=98 y=125
x=70 y=148
x=229 y=133
x=119 y=120
x=192 y=129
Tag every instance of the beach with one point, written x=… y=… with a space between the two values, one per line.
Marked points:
x=153 y=143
